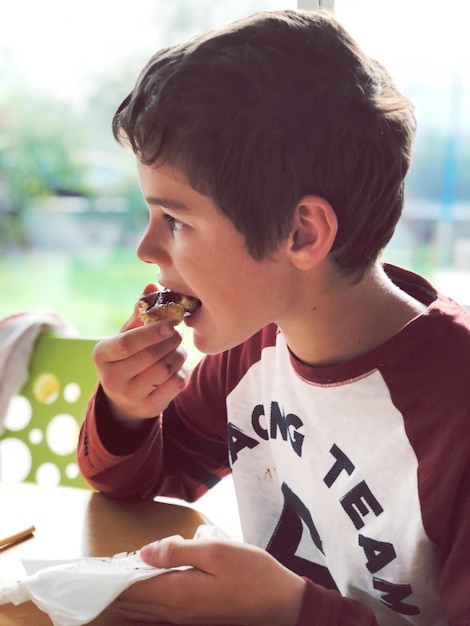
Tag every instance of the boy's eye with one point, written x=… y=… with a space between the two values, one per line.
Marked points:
x=174 y=223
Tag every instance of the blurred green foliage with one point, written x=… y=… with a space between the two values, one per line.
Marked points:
x=48 y=148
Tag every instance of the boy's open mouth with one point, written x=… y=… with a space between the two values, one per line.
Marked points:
x=189 y=303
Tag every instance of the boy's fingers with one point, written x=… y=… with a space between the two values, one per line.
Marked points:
x=175 y=552
x=157 y=555
x=132 y=341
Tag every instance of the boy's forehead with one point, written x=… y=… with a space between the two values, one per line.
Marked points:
x=161 y=173
x=156 y=179
x=167 y=186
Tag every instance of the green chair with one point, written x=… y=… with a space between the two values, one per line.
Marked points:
x=43 y=421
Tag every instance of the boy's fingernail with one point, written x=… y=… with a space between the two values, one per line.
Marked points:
x=166 y=330
x=147 y=552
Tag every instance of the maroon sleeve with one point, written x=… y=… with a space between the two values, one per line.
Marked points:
x=438 y=427
x=454 y=583
x=175 y=457
x=185 y=450
x=126 y=475
x=325 y=607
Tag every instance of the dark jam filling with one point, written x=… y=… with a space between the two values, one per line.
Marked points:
x=166 y=296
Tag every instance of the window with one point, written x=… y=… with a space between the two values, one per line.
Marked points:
x=70 y=208
x=424 y=45
x=71 y=212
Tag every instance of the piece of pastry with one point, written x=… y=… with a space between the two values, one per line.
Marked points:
x=166 y=305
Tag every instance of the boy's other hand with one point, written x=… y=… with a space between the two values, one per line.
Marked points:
x=231 y=583
x=140 y=369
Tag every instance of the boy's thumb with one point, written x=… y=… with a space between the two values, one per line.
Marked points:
x=134 y=321
x=162 y=553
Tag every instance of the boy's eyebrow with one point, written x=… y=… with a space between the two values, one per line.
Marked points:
x=167 y=203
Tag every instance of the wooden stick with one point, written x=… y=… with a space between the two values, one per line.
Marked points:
x=22 y=534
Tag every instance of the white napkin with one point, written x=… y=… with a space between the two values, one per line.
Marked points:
x=18 y=334
x=74 y=593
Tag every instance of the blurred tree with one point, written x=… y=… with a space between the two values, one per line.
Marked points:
x=38 y=140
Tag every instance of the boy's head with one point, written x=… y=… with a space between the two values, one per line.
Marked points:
x=269 y=109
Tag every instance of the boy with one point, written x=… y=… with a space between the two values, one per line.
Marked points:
x=272 y=157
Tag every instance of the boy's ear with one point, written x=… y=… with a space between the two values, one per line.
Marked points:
x=313 y=232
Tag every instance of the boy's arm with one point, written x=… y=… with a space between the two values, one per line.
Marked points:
x=120 y=469
x=324 y=606
x=125 y=462
x=121 y=450
x=453 y=520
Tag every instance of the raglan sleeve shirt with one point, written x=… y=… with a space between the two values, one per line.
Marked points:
x=233 y=417
x=184 y=463
x=143 y=474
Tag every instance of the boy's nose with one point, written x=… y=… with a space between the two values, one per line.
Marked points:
x=150 y=250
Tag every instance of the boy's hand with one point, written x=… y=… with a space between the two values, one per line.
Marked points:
x=232 y=583
x=140 y=369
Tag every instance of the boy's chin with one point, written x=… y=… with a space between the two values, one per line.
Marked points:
x=209 y=347
x=213 y=344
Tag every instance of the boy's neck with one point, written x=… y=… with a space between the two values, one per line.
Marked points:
x=345 y=319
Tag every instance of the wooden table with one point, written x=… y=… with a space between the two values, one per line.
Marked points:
x=72 y=523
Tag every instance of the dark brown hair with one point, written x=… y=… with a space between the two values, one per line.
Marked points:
x=268 y=109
